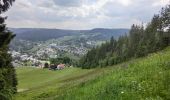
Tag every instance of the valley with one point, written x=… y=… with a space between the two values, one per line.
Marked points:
x=84 y=50
x=34 y=46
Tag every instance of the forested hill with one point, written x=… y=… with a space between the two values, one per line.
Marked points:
x=140 y=42
x=41 y=34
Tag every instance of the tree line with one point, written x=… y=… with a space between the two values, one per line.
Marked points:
x=138 y=42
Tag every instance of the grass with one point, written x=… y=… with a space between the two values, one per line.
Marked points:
x=145 y=78
x=34 y=81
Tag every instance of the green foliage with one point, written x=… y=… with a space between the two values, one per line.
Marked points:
x=5 y=4
x=140 y=42
x=8 y=80
x=64 y=60
x=46 y=65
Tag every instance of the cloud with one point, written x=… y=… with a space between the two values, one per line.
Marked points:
x=161 y=3
x=45 y=3
x=82 y=14
x=68 y=3
x=125 y=2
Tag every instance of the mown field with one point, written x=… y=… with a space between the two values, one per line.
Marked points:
x=145 y=78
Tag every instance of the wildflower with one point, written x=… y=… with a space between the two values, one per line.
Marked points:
x=122 y=92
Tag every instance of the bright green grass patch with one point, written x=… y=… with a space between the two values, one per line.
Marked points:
x=33 y=77
x=35 y=82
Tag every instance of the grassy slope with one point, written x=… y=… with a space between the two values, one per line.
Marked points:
x=35 y=82
x=141 y=79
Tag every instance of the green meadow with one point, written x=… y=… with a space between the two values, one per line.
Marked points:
x=146 y=78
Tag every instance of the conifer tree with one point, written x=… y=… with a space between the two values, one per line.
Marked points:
x=165 y=16
x=8 y=80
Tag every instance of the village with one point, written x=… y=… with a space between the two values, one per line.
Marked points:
x=38 y=54
x=40 y=58
x=30 y=61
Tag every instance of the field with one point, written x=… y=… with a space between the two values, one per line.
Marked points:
x=145 y=78
x=35 y=82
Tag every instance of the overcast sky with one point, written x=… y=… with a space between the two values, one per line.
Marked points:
x=82 y=14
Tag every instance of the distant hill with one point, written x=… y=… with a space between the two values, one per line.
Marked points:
x=42 y=34
x=105 y=34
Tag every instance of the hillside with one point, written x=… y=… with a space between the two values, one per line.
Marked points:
x=145 y=78
x=33 y=34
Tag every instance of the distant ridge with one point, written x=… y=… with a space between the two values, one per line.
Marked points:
x=43 y=34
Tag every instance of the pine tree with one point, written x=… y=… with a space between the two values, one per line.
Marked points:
x=8 y=80
x=165 y=16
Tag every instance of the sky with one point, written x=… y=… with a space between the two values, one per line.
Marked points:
x=82 y=14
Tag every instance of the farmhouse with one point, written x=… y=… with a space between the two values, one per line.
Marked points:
x=57 y=67
x=61 y=66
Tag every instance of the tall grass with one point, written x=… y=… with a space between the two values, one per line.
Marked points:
x=143 y=79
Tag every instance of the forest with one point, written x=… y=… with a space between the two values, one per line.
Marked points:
x=138 y=43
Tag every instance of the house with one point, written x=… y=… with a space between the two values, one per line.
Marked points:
x=61 y=66
x=57 y=67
